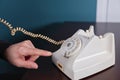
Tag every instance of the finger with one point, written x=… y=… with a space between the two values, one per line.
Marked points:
x=27 y=43
x=30 y=43
x=29 y=64
x=41 y=52
x=33 y=58
x=34 y=51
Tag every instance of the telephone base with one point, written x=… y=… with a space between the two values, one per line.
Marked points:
x=85 y=54
x=93 y=69
x=99 y=62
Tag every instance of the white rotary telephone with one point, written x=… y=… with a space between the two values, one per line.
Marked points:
x=81 y=55
x=85 y=54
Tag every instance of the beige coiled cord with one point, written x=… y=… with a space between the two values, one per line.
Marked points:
x=14 y=30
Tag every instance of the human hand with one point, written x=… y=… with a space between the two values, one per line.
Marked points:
x=24 y=54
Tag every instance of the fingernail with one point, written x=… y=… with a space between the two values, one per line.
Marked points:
x=35 y=66
x=49 y=53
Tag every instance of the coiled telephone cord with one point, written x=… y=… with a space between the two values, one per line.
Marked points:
x=14 y=30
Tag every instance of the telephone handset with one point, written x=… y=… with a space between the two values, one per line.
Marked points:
x=81 y=55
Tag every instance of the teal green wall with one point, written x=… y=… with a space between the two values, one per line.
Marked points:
x=35 y=14
x=32 y=14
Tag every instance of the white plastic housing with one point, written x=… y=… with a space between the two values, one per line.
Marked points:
x=85 y=54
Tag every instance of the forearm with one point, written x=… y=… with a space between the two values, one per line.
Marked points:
x=3 y=47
